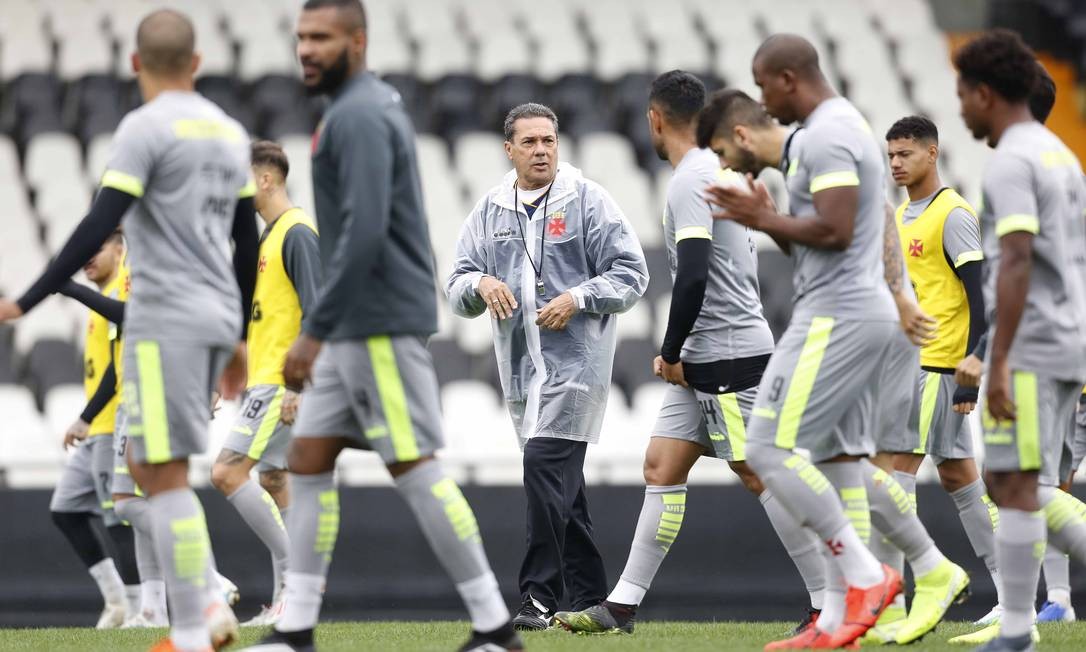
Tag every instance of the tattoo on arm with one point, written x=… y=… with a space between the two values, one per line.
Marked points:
x=891 y=253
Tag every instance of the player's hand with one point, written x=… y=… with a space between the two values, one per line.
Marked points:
x=965 y=399
x=557 y=313
x=232 y=383
x=288 y=409
x=1000 y=405
x=499 y=299
x=9 y=310
x=672 y=373
x=918 y=326
x=969 y=371
x=77 y=432
x=298 y=367
x=748 y=206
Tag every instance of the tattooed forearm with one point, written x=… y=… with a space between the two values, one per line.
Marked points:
x=892 y=261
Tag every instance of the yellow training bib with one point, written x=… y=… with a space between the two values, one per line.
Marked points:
x=277 y=313
x=939 y=291
x=98 y=352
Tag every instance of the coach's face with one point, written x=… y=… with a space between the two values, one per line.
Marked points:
x=975 y=100
x=534 y=151
x=329 y=49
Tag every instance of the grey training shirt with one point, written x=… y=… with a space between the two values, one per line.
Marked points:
x=187 y=163
x=838 y=149
x=731 y=324
x=1033 y=183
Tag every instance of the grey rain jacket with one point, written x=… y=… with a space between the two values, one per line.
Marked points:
x=556 y=383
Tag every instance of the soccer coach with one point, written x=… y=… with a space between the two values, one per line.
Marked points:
x=552 y=258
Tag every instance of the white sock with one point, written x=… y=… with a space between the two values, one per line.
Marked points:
x=833 y=604
x=1061 y=597
x=484 y=602
x=303 y=601
x=153 y=598
x=131 y=600
x=190 y=639
x=857 y=564
x=997 y=580
x=927 y=561
x=817 y=598
x=109 y=581
x=627 y=593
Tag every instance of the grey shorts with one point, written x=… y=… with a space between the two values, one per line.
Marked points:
x=258 y=433
x=380 y=392
x=944 y=434
x=715 y=421
x=123 y=483
x=167 y=397
x=820 y=387
x=1078 y=443
x=86 y=483
x=895 y=429
x=1039 y=439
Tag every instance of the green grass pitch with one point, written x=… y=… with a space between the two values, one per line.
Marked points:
x=446 y=636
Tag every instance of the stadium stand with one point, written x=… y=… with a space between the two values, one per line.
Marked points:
x=65 y=85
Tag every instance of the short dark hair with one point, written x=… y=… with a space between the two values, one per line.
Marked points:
x=1000 y=59
x=679 y=94
x=916 y=127
x=117 y=236
x=527 y=110
x=353 y=9
x=266 y=152
x=726 y=109
x=1043 y=96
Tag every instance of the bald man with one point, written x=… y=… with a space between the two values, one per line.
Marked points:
x=182 y=166
x=822 y=384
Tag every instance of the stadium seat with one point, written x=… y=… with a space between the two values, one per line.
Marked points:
x=84 y=47
x=480 y=159
x=63 y=405
x=621 y=451
x=47 y=321
x=53 y=158
x=453 y=105
x=30 y=455
x=51 y=363
x=506 y=93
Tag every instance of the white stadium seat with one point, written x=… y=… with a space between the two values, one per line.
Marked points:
x=47 y=321
x=63 y=405
x=53 y=158
x=29 y=454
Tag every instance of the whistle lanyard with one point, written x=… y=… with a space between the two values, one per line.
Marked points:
x=539 y=287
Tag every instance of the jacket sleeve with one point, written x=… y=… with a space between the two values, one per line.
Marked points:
x=470 y=266
x=614 y=252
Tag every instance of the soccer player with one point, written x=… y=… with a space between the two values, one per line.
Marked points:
x=1033 y=239
x=182 y=166
x=373 y=382
x=288 y=276
x=940 y=239
x=83 y=493
x=715 y=349
x=819 y=389
x=742 y=133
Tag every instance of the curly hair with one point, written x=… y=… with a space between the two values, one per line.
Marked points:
x=914 y=126
x=679 y=94
x=1001 y=60
x=1043 y=96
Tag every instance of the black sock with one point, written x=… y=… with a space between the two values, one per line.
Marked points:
x=124 y=541
x=78 y=529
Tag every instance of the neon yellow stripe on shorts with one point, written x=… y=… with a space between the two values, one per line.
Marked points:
x=733 y=421
x=152 y=396
x=1028 y=424
x=803 y=380
x=927 y=408
x=834 y=180
x=267 y=426
x=393 y=398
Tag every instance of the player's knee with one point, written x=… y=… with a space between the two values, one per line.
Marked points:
x=953 y=478
x=227 y=478
x=748 y=477
x=1014 y=490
